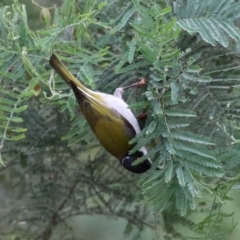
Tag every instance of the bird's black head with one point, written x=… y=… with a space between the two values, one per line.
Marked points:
x=142 y=167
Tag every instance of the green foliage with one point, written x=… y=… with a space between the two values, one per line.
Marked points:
x=192 y=99
x=15 y=68
x=214 y=20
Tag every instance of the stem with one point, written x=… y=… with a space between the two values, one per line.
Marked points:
x=37 y=5
x=6 y=128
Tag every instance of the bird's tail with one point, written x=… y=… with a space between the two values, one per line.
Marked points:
x=66 y=75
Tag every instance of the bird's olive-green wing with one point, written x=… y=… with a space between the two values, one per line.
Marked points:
x=110 y=127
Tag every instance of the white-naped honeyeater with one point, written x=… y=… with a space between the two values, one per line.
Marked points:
x=109 y=117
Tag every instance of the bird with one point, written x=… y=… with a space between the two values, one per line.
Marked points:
x=109 y=117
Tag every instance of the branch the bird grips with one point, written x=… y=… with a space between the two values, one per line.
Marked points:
x=109 y=117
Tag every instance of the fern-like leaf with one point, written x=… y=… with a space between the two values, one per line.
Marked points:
x=208 y=18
